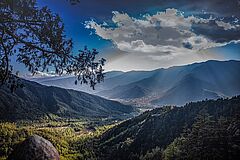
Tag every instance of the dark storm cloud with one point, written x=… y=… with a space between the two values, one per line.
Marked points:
x=218 y=7
x=102 y=8
x=216 y=33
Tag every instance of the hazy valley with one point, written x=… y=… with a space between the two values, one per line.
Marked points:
x=171 y=86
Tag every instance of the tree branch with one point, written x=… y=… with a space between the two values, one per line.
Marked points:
x=28 y=43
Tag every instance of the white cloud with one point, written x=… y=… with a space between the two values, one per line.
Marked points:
x=153 y=32
x=166 y=35
x=171 y=18
x=39 y=74
x=225 y=25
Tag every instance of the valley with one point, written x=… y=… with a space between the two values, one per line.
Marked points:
x=71 y=139
x=119 y=80
x=172 y=86
x=162 y=133
x=156 y=118
x=36 y=102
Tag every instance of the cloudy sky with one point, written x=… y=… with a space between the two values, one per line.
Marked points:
x=150 y=34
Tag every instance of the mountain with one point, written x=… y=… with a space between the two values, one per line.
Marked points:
x=169 y=131
x=188 y=89
x=182 y=84
x=35 y=101
x=172 y=86
x=126 y=92
x=67 y=82
x=112 y=79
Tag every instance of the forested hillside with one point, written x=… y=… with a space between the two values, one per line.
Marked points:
x=201 y=130
x=35 y=101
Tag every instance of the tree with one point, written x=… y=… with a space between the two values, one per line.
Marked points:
x=208 y=138
x=36 y=37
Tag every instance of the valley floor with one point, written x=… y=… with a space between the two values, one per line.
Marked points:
x=71 y=139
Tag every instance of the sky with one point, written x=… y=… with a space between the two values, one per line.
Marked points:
x=150 y=34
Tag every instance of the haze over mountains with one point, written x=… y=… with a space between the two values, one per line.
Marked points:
x=172 y=86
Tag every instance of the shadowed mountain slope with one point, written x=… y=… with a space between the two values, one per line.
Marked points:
x=160 y=127
x=34 y=101
x=179 y=85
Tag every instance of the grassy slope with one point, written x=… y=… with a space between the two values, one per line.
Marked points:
x=71 y=139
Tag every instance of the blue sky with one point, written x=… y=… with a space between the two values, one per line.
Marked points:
x=124 y=30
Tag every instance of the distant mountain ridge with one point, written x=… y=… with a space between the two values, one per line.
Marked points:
x=172 y=86
x=35 y=101
x=179 y=85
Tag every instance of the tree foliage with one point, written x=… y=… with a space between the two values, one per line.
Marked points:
x=200 y=130
x=71 y=144
x=36 y=37
x=209 y=139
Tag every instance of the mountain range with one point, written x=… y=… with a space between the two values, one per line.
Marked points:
x=172 y=86
x=35 y=101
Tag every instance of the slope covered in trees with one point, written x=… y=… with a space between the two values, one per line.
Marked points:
x=202 y=130
x=35 y=101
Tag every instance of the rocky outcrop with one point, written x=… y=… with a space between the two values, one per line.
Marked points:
x=34 y=148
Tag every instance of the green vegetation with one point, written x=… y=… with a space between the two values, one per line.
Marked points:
x=71 y=139
x=207 y=139
x=39 y=102
x=202 y=130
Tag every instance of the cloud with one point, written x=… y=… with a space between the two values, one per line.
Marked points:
x=225 y=25
x=187 y=45
x=39 y=74
x=152 y=33
x=166 y=35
